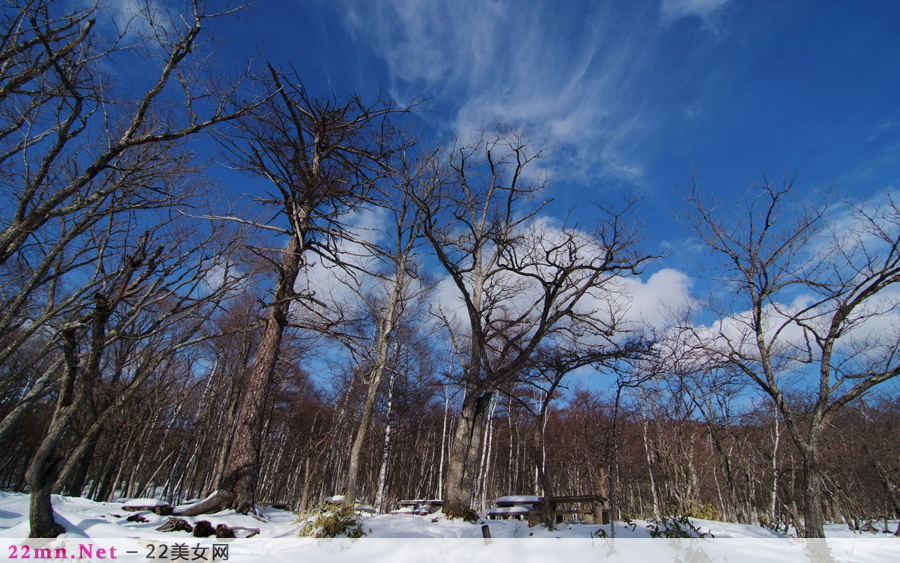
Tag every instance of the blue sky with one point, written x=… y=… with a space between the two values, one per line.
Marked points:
x=627 y=95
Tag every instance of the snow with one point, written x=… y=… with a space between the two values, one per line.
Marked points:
x=511 y=510
x=404 y=537
x=406 y=510
x=142 y=502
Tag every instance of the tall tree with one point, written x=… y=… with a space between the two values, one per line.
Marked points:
x=320 y=158
x=77 y=147
x=812 y=306
x=518 y=279
x=153 y=295
x=544 y=376
x=369 y=308
x=84 y=152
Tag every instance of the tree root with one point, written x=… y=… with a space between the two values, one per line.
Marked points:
x=218 y=501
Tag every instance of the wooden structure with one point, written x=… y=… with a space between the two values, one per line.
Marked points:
x=591 y=508
x=514 y=506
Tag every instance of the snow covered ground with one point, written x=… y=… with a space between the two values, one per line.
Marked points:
x=100 y=531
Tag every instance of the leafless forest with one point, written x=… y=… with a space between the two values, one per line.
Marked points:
x=388 y=316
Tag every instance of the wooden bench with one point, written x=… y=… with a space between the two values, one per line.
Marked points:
x=591 y=507
x=513 y=506
x=509 y=512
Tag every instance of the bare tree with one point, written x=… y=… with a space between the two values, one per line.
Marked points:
x=78 y=147
x=885 y=460
x=69 y=141
x=84 y=157
x=519 y=281
x=157 y=294
x=369 y=307
x=321 y=158
x=813 y=307
x=154 y=332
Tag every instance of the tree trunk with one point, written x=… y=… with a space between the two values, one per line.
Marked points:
x=647 y=449
x=376 y=375
x=485 y=467
x=546 y=489
x=774 y=507
x=42 y=470
x=350 y=487
x=462 y=470
x=613 y=471
x=41 y=473
x=238 y=487
x=74 y=474
x=814 y=484
x=226 y=434
x=386 y=450
x=444 y=441
x=41 y=510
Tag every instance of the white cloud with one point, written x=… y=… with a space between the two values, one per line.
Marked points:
x=221 y=275
x=332 y=284
x=868 y=342
x=654 y=300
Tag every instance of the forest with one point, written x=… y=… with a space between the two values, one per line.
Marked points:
x=387 y=313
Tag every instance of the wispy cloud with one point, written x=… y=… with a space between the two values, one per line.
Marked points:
x=568 y=74
x=706 y=10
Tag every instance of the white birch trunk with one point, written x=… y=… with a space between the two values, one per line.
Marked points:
x=386 y=450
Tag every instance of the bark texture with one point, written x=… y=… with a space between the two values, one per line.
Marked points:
x=237 y=488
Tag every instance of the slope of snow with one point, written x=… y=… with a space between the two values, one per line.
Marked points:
x=394 y=538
